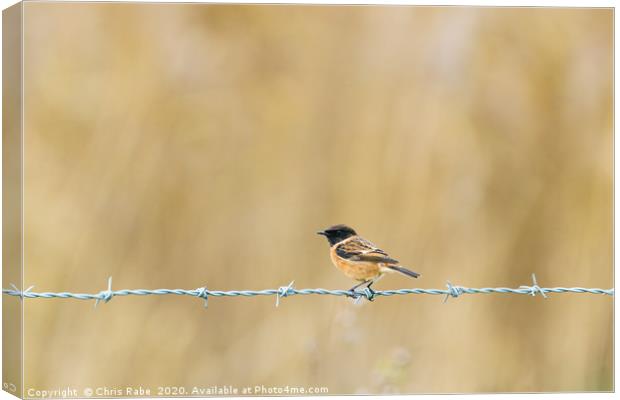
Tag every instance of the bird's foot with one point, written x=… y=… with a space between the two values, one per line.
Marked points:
x=369 y=293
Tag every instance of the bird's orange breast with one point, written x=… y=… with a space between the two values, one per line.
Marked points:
x=360 y=271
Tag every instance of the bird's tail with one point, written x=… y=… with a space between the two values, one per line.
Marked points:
x=404 y=270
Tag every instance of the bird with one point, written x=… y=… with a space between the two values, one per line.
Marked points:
x=359 y=258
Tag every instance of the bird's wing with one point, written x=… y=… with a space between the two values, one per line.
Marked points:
x=360 y=249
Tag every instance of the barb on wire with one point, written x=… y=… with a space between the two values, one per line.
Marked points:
x=535 y=288
x=369 y=293
x=287 y=291
x=283 y=292
x=453 y=291
x=105 y=295
x=203 y=293
x=20 y=293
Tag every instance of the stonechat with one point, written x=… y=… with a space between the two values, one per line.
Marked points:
x=359 y=258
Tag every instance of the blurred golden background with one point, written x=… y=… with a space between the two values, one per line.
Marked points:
x=184 y=145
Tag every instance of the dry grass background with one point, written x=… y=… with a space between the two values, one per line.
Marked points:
x=176 y=145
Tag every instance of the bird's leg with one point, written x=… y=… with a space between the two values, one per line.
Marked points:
x=372 y=292
x=370 y=283
x=352 y=290
x=358 y=285
x=373 y=280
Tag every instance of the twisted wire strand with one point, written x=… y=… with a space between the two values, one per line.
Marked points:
x=289 y=290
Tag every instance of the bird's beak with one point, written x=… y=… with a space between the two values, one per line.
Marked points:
x=321 y=233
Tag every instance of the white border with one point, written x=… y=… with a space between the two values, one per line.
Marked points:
x=506 y=3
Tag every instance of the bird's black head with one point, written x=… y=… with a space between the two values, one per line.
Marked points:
x=337 y=233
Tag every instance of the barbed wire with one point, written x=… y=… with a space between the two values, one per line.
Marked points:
x=287 y=291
